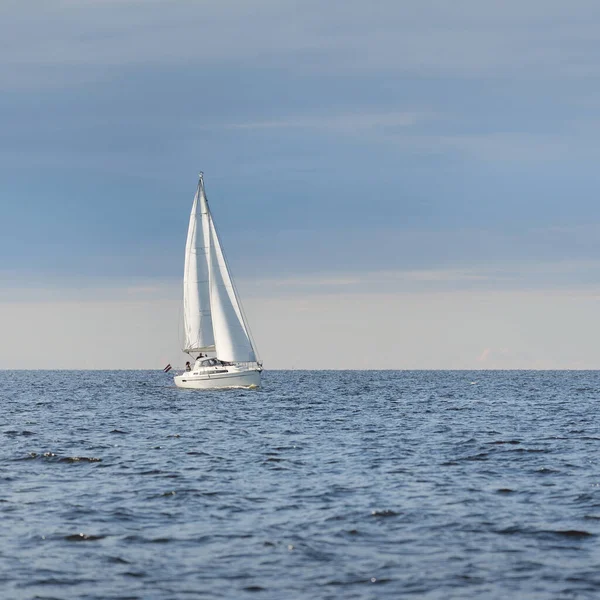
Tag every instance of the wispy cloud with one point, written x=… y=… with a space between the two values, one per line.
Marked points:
x=510 y=146
x=325 y=280
x=346 y=123
x=532 y=38
x=578 y=277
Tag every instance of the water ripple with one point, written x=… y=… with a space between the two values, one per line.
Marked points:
x=328 y=484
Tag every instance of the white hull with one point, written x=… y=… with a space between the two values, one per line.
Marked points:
x=244 y=379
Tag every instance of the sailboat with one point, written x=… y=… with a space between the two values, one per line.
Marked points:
x=215 y=327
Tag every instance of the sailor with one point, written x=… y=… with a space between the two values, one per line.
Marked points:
x=188 y=367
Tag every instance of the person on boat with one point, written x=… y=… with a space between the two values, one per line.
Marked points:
x=188 y=367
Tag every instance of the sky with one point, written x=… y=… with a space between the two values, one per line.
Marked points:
x=407 y=185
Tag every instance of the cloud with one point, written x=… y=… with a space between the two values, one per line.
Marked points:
x=372 y=330
x=368 y=281
x=568 y=277
x=515 y=147
x=325 y=280
x=525 y=39
x=345 y=123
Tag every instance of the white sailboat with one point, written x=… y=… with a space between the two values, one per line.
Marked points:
x=214 y=324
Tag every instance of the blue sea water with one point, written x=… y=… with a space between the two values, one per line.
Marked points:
x=322 y=484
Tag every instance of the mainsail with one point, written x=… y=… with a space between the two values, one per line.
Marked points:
x=197 y=321
x=213 y=316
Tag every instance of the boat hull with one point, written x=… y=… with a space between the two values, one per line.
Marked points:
x=244 y=379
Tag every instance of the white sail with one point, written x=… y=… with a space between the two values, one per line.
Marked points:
x=197 y=321
x=213 y=317
x=232 y=337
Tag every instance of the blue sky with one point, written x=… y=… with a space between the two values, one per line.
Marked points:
x=381 y=146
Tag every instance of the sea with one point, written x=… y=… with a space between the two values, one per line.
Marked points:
x=320 y=485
